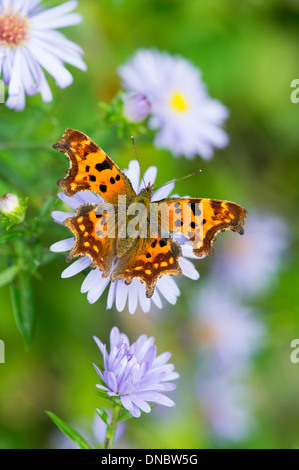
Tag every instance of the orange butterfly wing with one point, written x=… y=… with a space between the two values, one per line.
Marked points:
x=201 y=219
x=91 y=169
x=148 y=260
x=89 y=226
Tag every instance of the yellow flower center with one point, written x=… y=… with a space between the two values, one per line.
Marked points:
x=179 y=102
x=13 y=28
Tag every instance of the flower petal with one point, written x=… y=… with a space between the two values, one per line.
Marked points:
x=63 y=245
x=96 y=291
x=188 y=269
x=75 y=268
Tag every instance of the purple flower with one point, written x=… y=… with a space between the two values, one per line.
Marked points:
x=30 y=44
x=135 y=374
x=119 y=293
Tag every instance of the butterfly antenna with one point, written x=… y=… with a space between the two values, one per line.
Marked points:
x=133 y=142
x=179 y=179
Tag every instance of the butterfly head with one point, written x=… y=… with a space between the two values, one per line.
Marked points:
x=146 y=193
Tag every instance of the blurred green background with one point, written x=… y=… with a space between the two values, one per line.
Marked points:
x=248 y=52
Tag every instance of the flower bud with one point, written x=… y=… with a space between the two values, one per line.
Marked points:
x=11 y=208
x=136 y=107
x=9 y=203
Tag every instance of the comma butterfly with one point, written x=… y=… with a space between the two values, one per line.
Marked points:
x=106 y=231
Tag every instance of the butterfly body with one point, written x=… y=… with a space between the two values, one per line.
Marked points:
x=128 y=236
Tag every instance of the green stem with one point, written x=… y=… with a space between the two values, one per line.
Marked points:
x=110 y=433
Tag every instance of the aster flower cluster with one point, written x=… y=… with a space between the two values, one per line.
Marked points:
x=249 y=264
x=226 y=407
x=169 y=90
x=119 y=293
x=135 y=374
x=228 y=332
x=228 y=336
x=30 y=45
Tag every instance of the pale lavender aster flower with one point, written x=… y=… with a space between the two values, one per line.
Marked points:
x=136 y=107
x=188 y=121
x=30 y=44
x=228 y=335
x=226 y=331
x=135 y=374
x=248 y=265
x=226 y=407
x=119 y=293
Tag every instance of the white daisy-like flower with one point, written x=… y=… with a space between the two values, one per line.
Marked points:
x=30 y=44
x=249 y=264
x=119 y=293
x=188 y=121
x=226 y=331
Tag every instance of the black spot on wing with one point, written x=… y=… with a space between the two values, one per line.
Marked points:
x=105 y=165
x=178 y=223
x=194 y=207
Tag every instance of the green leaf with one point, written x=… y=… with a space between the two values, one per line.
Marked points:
x=8 y=275
x=23 y=306
x=5 y=237
x=102 y=394
x=46 y=208
x=69 y=431
x=124 y=416
x=104 y=106
x=103 y=415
